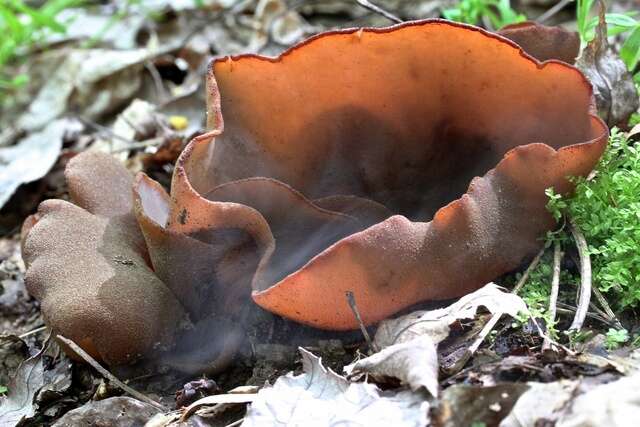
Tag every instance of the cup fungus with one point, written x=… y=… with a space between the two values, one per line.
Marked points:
x=402 y=164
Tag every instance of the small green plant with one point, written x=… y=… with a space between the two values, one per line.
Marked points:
x=615 y=338
x=498 y=13
x=606 y=209
x=3 y=389
x=22 y=27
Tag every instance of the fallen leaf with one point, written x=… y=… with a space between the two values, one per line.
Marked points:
x=113 y=412
x=413 y=362
x=93 y=81
x=320 y=397
x=613 y=87
x=13 y=351
x=409 y=342
x=435 y=323
x=616 y=404
x=19 y=404
x=541 y=403
x=31 y=158
x=464 y=405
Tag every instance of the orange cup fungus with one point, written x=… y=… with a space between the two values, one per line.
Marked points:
x=402 y=164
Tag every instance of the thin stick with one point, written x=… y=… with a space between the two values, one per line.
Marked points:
x=153 y=142
x=235 y=423
x=584 y=296
x=32 y=332
x=525 y=275
x=108 y=375
x=605 y=306
x=157 y=79
x=493 y=321
x=553 y=10
x=104 y=129
x=563 y=308
x=351 y=299
x=555 y=287
x=377 y=9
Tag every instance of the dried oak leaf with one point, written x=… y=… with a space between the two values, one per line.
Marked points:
x=402 y=164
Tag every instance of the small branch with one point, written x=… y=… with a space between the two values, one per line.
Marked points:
x=493 y=321
x=566 y=309
x=377 y=9
x=153 y=142
x=32 y=332
x=584 y=295
x=607 y=309
x=471 y=350
x=553 y=10
x=352 y=304
x=555 y=287
x=108 y=375
x=525 y=275
x=157 y=80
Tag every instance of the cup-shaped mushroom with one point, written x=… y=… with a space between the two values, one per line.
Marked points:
x=87 y=265
x=402 y=164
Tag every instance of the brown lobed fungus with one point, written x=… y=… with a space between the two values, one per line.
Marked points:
x=402 y=164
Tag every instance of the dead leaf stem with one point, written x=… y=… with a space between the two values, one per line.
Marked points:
x=108 y=375
x=584 y=295
x=351 y=299
x=555 y=286
x=377 y=9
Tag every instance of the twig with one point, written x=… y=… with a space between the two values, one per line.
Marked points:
x=352 y=303
x=607 y=309
x=555 y=286
x=534 y=263
x=553 y=10
x=584 y=296
x=32 y=332
x=235 y=423
x=377 y=9
x=564 y=308
x=108 y=375
x=142 y=144
x=104 y=129
x=157 y=79
x=493 y=321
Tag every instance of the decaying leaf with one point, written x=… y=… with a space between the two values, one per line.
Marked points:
x=114 y=412
x=616 y=404
x=383 y=188
x=19 y=405
x=615 y=92
x=320 y=397
x=409 y=342
x=540 y=403
x=31 y=158
x=94 y=81
x=465 y=405
x=435 y=323
x=413 y=362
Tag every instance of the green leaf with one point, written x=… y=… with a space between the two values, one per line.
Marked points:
x=630 y=51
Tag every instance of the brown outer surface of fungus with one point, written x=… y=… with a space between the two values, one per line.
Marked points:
x=366 y=113
x=87 y=265
x=544 y=42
